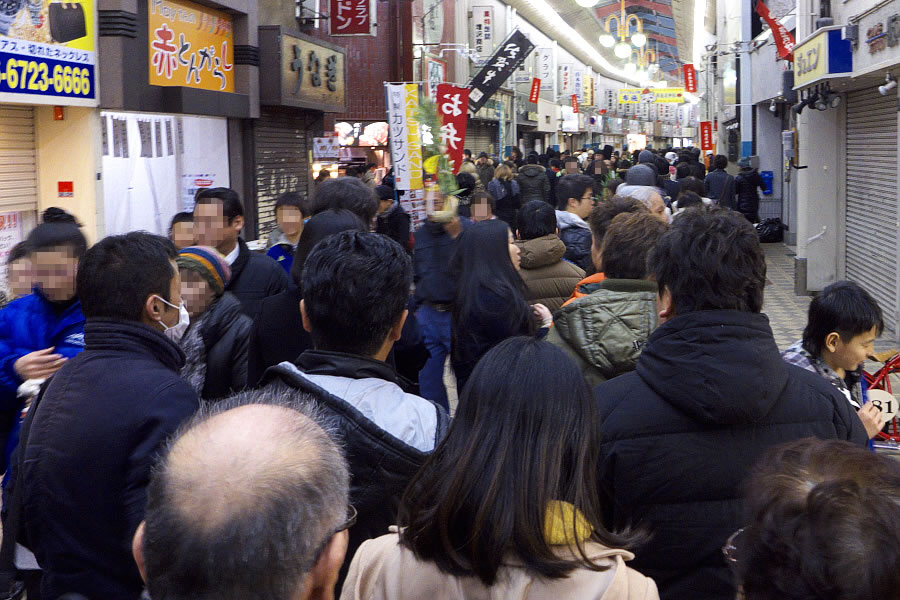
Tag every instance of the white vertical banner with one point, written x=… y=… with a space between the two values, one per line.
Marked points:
x=611 y=100
x=399 y=135
x=578 y=79
x=483 y=31
x=545 y=68
x=565 y=80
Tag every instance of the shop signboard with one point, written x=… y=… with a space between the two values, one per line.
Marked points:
x=326 y=148
x=509 y=55
x=535 y=90
x=406 y=148
x=706 y=136
x=545 y=68
x=300 y=71
x=575 y=103
x=690 y=78
x=435 y=74
x=453 y=105
x=824 y=54
x=361 y=134
x=353 y=17
x=578 y=80
x=190 y=45
x=651 y=95
x=483 y=30
x=48 y=52
x=565 y=80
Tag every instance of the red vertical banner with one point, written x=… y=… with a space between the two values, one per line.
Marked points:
x=706 y=136
x=453 y=108
x=574 y=103
x=535 y=90
x=352 y=17
x=690 y=78
x=784 y=41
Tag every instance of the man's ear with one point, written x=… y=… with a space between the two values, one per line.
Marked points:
x=323 y=576
x=572 y=202
x=831 y=341
x=237 y=223
x=153 y=308
x=665 y=306
x=397 y=329
x=137 y=550
x=304 y=317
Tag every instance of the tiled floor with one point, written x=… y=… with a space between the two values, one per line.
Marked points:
x=786 y=311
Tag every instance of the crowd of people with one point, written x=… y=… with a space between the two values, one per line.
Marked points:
x=185 y=418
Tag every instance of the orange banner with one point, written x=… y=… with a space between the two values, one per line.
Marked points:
x=191 y=46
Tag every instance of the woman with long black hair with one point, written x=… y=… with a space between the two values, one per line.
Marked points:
x=516 y=514
x=490 y=297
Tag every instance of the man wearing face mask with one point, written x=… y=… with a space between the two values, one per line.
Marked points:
x=88 y=444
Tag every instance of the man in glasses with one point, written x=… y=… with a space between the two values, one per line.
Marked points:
x=249 y=502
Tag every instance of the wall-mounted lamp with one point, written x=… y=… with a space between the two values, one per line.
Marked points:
x=889 y=84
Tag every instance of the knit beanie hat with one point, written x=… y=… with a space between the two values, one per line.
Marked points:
x=208 y=263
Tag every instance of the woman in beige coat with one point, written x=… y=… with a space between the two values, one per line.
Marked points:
x=507 y=506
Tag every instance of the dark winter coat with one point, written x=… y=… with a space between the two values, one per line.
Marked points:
x=485 y=172
x=746 y=185
x=255 y=276
x=553 y=179
x=94 y=438
x=672 y=188
x=394 y=223
x=533 y=183
x=549 y=279
x=576 y=235
x=698 y=169
x=355 y=394
x=277 y=334
x=720 y=186
x=226 y=336
x=507 y=200
x=431 y=262
x=709 y=396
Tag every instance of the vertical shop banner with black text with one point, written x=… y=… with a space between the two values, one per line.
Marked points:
x=453 y=105
x=499 y=67
x=690 y=78
x=406 y=147
x=353 y=17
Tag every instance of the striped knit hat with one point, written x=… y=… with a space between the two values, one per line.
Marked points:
x=209 y=263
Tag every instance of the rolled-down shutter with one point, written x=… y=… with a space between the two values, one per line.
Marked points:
x=282 y=141
x=872 y=197
x=18 y=163
x=481 y=136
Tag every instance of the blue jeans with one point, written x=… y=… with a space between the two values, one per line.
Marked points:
x=435 y=329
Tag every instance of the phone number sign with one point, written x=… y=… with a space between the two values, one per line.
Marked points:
x=41 y=76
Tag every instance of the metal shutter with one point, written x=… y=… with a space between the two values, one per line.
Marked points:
x=481 y=136
x=281 y=146
x=872 y=197
x=18 y=164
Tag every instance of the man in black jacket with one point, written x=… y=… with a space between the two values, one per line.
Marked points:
x=355 y=290
x=709 y=396
x=719 y=185
x=218 y=220
x=93 y=437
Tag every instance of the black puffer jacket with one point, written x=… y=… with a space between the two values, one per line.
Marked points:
x=709 y=396
x=226 y=336
x=381 y=465
x=533 y=183
x=255 y=276
x=746 y=186
x=394 y=223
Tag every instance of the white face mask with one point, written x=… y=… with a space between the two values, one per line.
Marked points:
x=176 y=332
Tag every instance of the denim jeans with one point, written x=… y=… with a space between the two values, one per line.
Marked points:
x=435 y=328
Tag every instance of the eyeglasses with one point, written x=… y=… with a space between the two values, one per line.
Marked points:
x=730 y=549
x=349 y=522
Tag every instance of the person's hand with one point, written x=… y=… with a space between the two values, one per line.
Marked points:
x=39 y=364
x=542 y=313
x=872 y=419
x=453 y=228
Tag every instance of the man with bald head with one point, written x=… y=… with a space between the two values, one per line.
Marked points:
x=249 y=503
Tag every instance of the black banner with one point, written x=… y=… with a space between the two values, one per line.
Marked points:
x=506 y=59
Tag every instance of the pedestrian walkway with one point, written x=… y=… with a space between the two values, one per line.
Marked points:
x=786 y=311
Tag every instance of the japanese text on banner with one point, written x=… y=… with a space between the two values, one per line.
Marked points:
x=399 y=142
x=352 y=17
x=453 y=107
x=414 y=144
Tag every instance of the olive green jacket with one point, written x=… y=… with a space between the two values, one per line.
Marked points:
x=605 y=331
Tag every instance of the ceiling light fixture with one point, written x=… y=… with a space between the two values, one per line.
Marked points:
x=586 y=3
x=622 y=50
x=639 y=39
x=607 y=40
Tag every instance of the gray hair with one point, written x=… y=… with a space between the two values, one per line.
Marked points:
x=641 y=193
x=243 y=516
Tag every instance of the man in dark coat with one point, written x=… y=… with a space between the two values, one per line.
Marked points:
x=746 y=184
x=719 y=184
x=709 y=396
x=392 y=220
x=355 y=290
x=532 y=180
x=90 y=442
x=218 y=220
x=485 y=167
x=575 y=200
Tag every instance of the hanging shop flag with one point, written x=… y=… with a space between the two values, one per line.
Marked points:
x=535 y=90
x=545 y=68
x=565 y=80
x=407 y=160
x=414 y=143
x=483 y=31
x=690 y=78
x=706 y=136
x=575 y=103
x=578 y=78
x=453 y=106
x=784 y=41
x=496 y=71
x=650 y=95
x=353 y=17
